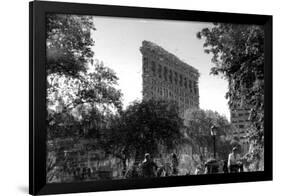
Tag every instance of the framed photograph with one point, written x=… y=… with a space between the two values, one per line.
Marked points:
x=133 y=97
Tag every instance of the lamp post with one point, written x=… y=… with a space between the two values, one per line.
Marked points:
x=214 y=133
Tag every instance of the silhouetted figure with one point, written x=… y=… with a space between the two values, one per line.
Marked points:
x=132 y=172
x=198 y=170
x=225 y=168
x=148 y=167
x=175 y=164
x=234 y=163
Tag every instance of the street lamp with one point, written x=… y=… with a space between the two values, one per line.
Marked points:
x=214 y=133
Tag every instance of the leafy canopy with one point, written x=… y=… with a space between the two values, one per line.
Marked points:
x=68 y=43
x=199 y=123
x=81 y=92
x=145 y=125
x=86 y=100
x=238 y=55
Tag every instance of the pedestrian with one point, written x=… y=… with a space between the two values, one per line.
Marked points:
x=233 y=161
x=225 y=168
x=198 y=170
x=89 y=173
x=148 y=167
x=175 y=164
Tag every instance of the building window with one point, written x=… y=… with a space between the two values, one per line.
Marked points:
x=159 y=71
x=153 y=68
x=241 y=126
x=171 y=76
x=195 y=88
x=190 y=86
x=181 y=99
x=185 y=83
x=176 y=78
x=165 y=74
x=180 y=79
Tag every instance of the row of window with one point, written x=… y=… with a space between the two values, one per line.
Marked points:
x=176 y=90
x=240 y=121
x=244 y=114
x=240 y=132
x=166 y=94
x=171 y=76
x=241 y=126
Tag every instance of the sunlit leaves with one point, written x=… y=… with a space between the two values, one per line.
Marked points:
x=145 y=125
x=238 y=54
x=68 y=43
x=199 y=123
x=87 y=99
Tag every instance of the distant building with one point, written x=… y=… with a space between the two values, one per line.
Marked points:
x=166 y=77
x=240 y=120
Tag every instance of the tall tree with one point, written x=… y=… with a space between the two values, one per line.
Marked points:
x=238 y=54
x=81 y=92
x=142 y=127
x=78 y=86
x=68 y=43
x=199 y=123
x=86 y=100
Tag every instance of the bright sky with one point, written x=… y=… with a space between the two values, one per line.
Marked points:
x=117 y=44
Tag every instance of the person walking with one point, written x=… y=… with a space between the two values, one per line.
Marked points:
x=198 y=170
x=234 y=161
x=224 y=168
x=175 y=164
x=148 y=167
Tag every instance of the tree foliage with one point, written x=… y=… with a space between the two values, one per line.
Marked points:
x=68 y=43
x=238 y=54
x=82 y=101
x=143 y=126
x=82 y=93
x=79 y=89
x=199 y=123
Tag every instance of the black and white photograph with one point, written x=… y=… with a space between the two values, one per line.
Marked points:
x=140 y=97
x=132 y=98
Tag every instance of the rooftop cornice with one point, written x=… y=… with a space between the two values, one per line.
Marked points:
x=154 y=48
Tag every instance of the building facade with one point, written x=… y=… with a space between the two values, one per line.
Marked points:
x=240 y=120
x=240 y=117
x=166 y=77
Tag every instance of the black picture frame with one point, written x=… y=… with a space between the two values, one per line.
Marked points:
x=37 y=96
